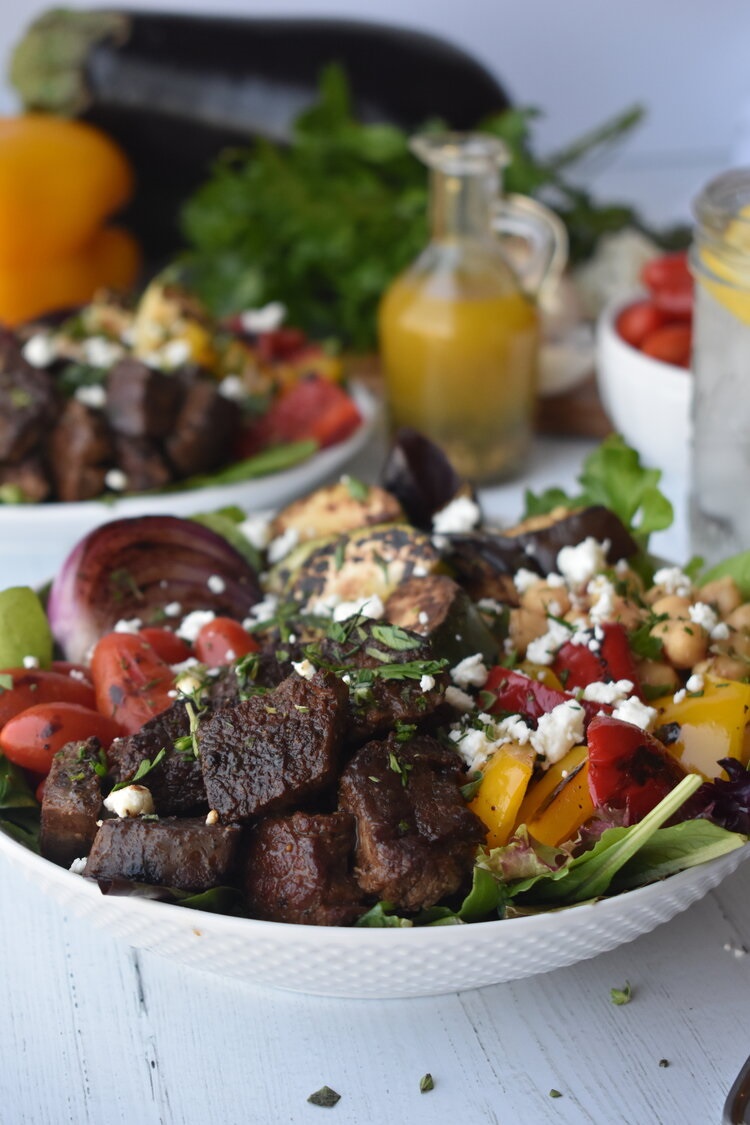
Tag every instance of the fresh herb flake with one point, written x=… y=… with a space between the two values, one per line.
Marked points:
x=426 y=1083
x=357 y=489
x=471 y=788
x=621 y=996
x=555 y=1093
x=325 y=1096
x=143 y=770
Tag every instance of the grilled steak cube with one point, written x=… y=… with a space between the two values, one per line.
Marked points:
x=81 y=451
x=72 y=802
x=187 y=854
x=273 y=751
x=142 y=462
x=377 y=704
x=141 y=402
x=176 y=784
x=299 y=870
x=416 y=839
x=27 y=402
x=204 y=430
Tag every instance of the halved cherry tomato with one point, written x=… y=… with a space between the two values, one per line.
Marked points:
x=282 y=343
x=638 y=321
x=222 y=641
x=671 y=344
x=32 y=738
x=36 y=685
x=671 y=285
x=579 y=665
x=166 y=644
x=131 y=681
x=314 y=408
x=628 y=768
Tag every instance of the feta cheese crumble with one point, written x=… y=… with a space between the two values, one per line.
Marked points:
x=173 y=609
x=128 y=625
x=579 y=564
x=193 y=623
x=608 y=693
x=459 y=699
x=543 y=650
x=695 y=682
x=371 y=607
x=524 y=580
x=673 y=581
x=132 y=800
x=78 y=866
x=427 y=683
x=634 y=711
x=702 y=614
x=101 y=352
x=304 y=668
x=280 y=547
x=461 y=514
x=216 y=584
x=232 y=387
x=470 y=672
x=265 y=319
x=257 y=529
x=93 y=396
x=558 y=731
x=116 y=479
x=40 y=350
x=30 y=662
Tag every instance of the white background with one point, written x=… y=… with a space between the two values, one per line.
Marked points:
x=579 y=61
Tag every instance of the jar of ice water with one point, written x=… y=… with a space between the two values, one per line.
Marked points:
x=720 y=463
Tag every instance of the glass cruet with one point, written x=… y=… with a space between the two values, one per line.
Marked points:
x=459 y=328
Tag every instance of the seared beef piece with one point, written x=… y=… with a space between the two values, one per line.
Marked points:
x=382 y=703
x=30 y=476
x=176 y=784
x=142 y=462
x=72 y=802
x=27 y=401
x=141 y=402
x=204 y=430
x=238 y=682
x=188 y=854
x=273 y=751
x=299 y=870
x=416 y=838
x=81 y=450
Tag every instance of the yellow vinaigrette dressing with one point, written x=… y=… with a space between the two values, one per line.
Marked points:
x=458 y=335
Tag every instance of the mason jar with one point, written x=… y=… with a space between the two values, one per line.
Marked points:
x=720 y=462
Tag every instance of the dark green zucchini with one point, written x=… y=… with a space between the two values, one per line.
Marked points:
x=436 y=607
x=176 y=89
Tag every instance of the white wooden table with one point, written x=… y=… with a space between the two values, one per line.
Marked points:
x=93 y=1033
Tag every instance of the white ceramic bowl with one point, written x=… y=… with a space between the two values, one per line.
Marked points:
x=647 y=401
x=35 y=537
x=384 y=963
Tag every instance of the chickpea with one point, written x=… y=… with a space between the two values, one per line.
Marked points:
x=543 y=598
x=626 y=612
x=656 y=673
x=524 y=626
x=723 y=667
x=722 y=594
x=683 y=644
x=630 y=583
x=673 y=605
x=739 y=618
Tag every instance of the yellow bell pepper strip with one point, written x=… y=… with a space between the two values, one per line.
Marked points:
x=542 y=673
x=540 y=793
x=712 y=725
x=567 y=810
x=59 y=181
x=506 y=777
x=111 y=260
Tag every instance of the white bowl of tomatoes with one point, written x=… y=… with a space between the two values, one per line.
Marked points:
x=643 y=364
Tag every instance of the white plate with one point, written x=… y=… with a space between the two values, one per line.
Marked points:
x=34 y=538
x=383 y=963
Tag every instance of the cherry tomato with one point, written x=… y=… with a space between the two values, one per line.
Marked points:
x=131 y=681
x=675 y=304
x=578 y=665
x=314 y=408
x=166 y=644
x=670 y=344
x=223 y=641
x=32 y=738
x=637 y=321
x=279 y=344
x=518 y=694
x=36 y=685
x=669 y=271
x=628 y=768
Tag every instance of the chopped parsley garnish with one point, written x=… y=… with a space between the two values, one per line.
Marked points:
x=555 y=1093
x=641 y=642
x=325 y=1096
x=392 y=636
x=405 y=731
x=471 y=788
x=426 y=1083
x=6 y=681
x=338 y=554
x=663 y=1062
x=400 y=767
x=621 y=995
x=357 y=489
x=144 y=768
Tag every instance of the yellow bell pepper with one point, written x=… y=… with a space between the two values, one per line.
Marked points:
x=539 y=794
x=568 y=810
x=712 y=725
x=541 y=673
x=506 y=777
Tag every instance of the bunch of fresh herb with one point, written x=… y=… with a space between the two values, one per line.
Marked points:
x=327 y=223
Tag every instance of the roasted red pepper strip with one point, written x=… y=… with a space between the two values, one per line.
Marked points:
x=578 y=665
x=628 y=768
x=521 y=695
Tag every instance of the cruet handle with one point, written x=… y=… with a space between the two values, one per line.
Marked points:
x=534 y=239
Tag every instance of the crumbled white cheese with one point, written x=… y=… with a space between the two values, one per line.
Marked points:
x=193 y=623
x=128 y=625
x=524 y=579
x=78 y=866
x=101 y=352
x=94 y=396
x=490 y=605
x=173 y=609
x=459 y=699
x=184 y=665
x=174 y=354
x=702 y=614
x=720 y=632
x=265 y=319
x=257 y=529
x=559 y=731
x=31 y=661
x=423 y=618
x=611 y=693
x=695 y=682
x=679 y=695
x=40 y=350
x=304 y=668
x=78 y=674
x=280 y=547
x=470 y=672
x=427 y=683
x=634 y=711
x=216 y=584
x=133 y=800
x=579 y=564
x=673 y=581
x=478 y=743
x=213 y=817
x=233 y=388
x=292 y=638
x=461 y=514
x=419 y=571
x=542 y=650
x=602 y=594
x=116 y=479
x=371 y=607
